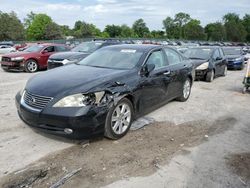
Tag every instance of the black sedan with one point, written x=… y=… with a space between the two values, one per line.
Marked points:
x=209 y=62
x=106 y=91
x=78 y=53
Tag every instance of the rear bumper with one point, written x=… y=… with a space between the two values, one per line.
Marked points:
x=84 y=123
x=235 y=64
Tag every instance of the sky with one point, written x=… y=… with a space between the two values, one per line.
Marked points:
x=104 y=12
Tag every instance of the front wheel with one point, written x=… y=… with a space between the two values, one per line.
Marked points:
x=186 y=90
x=119 y=119
x=210 y=76
x=31 y=66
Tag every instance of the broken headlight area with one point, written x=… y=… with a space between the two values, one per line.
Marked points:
x=81 y=100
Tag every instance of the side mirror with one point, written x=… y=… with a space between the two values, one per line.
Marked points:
x=218 y=58
x=147 y=69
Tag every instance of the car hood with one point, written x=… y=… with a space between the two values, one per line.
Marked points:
x=69 y=55
x=17 y=54
x=233 y=56
x=72 y=79
x=197 y=62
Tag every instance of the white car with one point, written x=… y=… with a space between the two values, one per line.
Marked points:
x=4 y=49
x=247 y=57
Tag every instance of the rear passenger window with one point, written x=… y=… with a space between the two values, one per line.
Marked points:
x=50 y=49
x=61 y=49
x=172 y=56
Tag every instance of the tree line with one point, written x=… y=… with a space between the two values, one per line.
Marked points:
x=181 y=26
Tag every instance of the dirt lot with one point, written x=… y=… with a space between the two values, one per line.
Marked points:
x=204 y=142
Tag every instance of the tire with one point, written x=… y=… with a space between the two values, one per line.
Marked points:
x=210 y=76
x=244 y=90
x=225 y=71
x=186 y=91
x=114 y=126
x=31 y=66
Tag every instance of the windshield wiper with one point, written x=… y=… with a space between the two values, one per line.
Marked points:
x=197 y=58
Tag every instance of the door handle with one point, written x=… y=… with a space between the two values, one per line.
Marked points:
x=167 y=73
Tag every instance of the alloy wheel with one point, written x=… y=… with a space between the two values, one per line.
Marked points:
x=32 y=66
x=186 y=89
x=120 y=119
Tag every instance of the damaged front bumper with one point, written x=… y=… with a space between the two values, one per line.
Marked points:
x=74 y=123
x=13 y=65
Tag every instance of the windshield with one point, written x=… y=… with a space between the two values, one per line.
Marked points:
x=198 y=53
x=34 y=48
x=87 y=47
x=113 y=58
x=232 y=51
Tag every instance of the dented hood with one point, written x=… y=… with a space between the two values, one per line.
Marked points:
x=72 y=79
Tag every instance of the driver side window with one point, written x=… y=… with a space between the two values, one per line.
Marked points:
x=156 y=58
x=216 y=54
x=50 y=49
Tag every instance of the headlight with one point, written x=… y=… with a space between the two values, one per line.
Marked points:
x=17 y=58
x=80 y=100
x=238 y=59
x=68 y=61
x=203 y=66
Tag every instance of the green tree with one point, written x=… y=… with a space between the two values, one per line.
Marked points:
x=157 y=34
x=37 y=28
x=235 y=30
x=113 y=30
x=29 y=19
x=246 y=24
x=170 y=28
x=53 y=31
x=140 y=28
x=215 y=31
x=11 y=27
x=66 y=31
x=83 y=29
x=126 y=31
x=194 y=31
x=180 y=20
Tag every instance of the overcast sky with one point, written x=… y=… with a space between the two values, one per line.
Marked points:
x=103 y=12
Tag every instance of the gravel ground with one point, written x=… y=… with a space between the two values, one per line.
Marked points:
x=204 y=142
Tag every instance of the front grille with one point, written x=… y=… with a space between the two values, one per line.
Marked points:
x=36 y=101
x=53 y=63
x=6 y=59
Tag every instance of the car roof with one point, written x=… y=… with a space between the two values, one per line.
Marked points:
x=207 y=47
x=50 y=44
x=142 y=47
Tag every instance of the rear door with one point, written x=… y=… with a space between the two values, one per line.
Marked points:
x=217 y=61
x=178 y=72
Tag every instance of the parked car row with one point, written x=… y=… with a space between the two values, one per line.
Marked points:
x=47 y=56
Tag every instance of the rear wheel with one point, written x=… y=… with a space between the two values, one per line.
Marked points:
x=210 y=76
x=244 y=90
x=186 y=90
x=119 y=119
x=225 y=71
x=31 y=66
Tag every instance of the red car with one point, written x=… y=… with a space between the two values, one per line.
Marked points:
x=31 y=59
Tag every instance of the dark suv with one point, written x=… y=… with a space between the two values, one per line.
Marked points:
x=79 y=52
